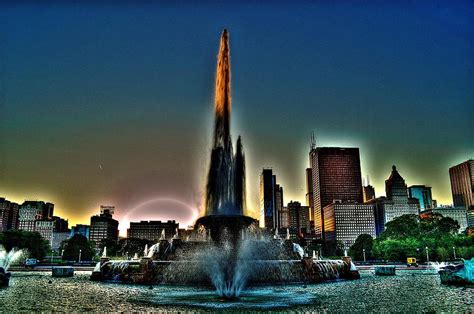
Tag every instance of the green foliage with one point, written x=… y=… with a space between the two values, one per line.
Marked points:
x=408 y=236
x=363 y=241
x=32 y=242
x=72 y=246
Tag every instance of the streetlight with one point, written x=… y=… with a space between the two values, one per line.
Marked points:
x=454 y=252
x=427 y=256
x=80 y=252
x=363 y=251
x=62 y=253
x=52 y=254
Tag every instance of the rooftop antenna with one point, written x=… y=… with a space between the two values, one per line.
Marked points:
x=313 y=141
x=368 y=180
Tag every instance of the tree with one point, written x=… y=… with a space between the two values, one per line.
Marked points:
x=363 y=242
x=75 y=244
x=402 y=227
x=32 y=242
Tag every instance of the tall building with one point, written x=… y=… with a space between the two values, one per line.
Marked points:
x=336 y=175
x=423 y=194
x=298 y=218
x=462 y=184
x=284 y=218
x=29 y=212
x=397 y=202
x=267 y=199
x=278 y=203
x=103 y=227
x=309 y=191
x=8 y=215
x=458 y=214
x=368 y=192
x=345 y=221
x=45 y=228
x=107 y=209
x=152 y=230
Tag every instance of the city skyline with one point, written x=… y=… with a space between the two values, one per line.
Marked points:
x=81 y=142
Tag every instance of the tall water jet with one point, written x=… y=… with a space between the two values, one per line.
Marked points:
x=225 y=190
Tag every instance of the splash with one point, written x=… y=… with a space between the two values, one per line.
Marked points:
x=7 y=258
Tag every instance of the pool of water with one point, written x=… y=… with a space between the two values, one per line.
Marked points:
x=417 y=291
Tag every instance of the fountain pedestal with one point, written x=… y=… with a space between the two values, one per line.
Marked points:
x=225 y=227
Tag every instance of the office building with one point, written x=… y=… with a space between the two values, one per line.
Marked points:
x=29 y=212
x=8 y=215
x=268 y=205
x=458 y=214
x=368 y=193
x=336 y=175
x=309 y=191
x=152 y=230
x=396 y=203
x=345 y=221
x=83 y=230
x=103 y=227
x=462 y=184
x=423 y=194
x=278 y=203
x=298 y=218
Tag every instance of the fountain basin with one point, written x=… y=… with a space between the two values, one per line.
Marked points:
x=63 y=271
x=385 y=270
x=4 y=278
x=231 y=224
x=458 y=275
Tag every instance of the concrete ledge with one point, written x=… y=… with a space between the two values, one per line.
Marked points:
x=63 y=271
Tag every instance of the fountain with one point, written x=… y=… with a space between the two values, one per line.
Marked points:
x=459 y=275
x=227 y=249
x=6 y=259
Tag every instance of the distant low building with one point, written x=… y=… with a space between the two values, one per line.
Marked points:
x=58 y=238
x=152 y=230
x=83 y=230
x=458 y=214
x=345 y=221
x=45 y=228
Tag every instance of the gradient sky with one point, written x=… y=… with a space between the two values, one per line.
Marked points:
x=112 y=104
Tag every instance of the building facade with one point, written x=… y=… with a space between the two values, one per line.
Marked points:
x=28 y=213
x=462 y=184
x=83 y=230
x=423 y=194
x=298 y=218
x=336 y=175
x=368 y=193
x=267 y=199
x=458 y=214
x=152 y=230
x=8 y=215
x=396 y=203
x=345 y=221
x=103 y=227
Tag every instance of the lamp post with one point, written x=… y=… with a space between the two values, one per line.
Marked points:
x=52 y=255
x=427 y=256
x=454 y=252
x=80 y=252
x=363 y=251
x=62 y=253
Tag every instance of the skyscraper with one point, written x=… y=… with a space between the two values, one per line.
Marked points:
x=336 y=175
x=462 y=184
x=278 y=202
x=423 y=194
x=309 y=191
x=397 y=202
x=103 y=227
x=298 y=218
x=267 y=199
x=368 y=193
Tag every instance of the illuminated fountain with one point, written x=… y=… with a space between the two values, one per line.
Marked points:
x=227 y=250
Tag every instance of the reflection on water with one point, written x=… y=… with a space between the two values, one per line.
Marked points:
x=408 y=291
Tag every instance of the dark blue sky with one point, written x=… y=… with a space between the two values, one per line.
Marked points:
x=130 y=88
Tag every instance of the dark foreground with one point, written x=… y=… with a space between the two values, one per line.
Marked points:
x=408 y=291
